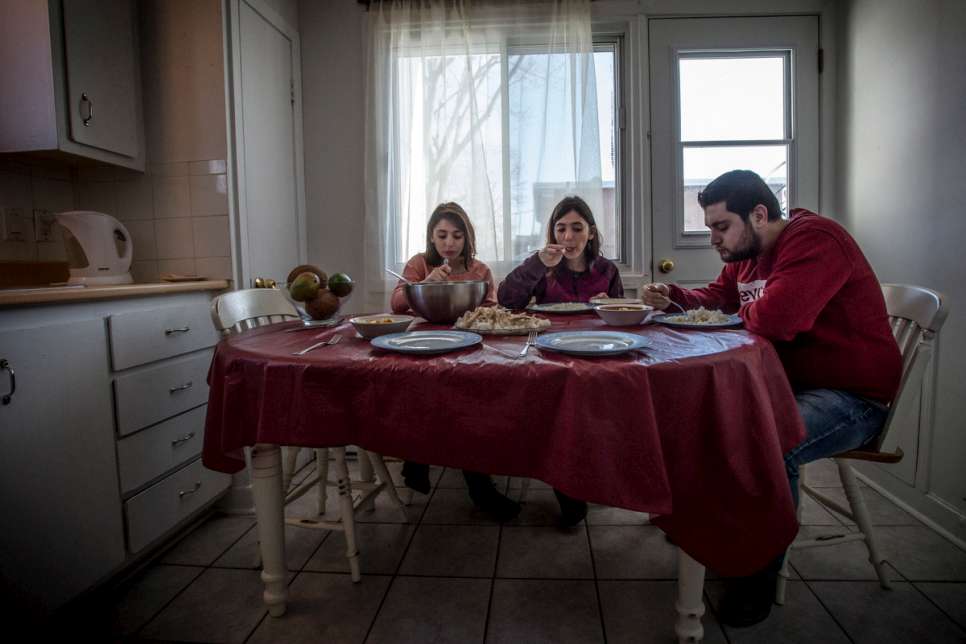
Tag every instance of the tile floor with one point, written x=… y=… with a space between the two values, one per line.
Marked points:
x=444 y=573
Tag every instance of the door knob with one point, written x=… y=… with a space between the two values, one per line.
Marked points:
x=665 y=265
x=264 y=282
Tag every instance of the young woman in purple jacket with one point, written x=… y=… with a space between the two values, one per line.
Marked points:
x=569 y=268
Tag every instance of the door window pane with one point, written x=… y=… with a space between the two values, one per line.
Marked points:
x=732 y=99
x=702 y=165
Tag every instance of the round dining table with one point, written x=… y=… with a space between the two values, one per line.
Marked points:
x=690 y=428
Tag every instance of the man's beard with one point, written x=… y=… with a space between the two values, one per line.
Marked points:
x=750 y=247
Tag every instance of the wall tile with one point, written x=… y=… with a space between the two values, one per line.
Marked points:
x=135 y=199
x=177 y=266
x=211 y=236
x=171 y=197
x=214 y=267
x=52 y=195
x=178 y=169
x=146 y=271
x=96 y=173
x=218 y=166
x=175 y=238
x=144 y=239
x=209 y=194
x=99 y=196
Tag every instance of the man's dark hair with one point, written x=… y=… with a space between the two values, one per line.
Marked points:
x=741 y=190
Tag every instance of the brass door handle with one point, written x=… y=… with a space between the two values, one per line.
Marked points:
x=264 y=282
x=665 y=265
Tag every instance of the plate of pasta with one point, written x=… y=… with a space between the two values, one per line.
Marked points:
x=496 y=320
x=561 y=307
x=699 y=318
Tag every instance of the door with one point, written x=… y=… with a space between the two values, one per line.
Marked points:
x=60 y=525
x=727 y=93
x=101 y=76
x=267 y=138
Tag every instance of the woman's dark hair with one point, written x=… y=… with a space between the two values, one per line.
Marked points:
x=579 y=206
x=454 y=214
x=741 y=190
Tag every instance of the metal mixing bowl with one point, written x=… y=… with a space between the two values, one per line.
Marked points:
x=443 y=302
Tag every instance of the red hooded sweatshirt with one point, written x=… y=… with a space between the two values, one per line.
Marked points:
x=814 y=295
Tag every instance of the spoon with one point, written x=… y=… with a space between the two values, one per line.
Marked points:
x=392 y=272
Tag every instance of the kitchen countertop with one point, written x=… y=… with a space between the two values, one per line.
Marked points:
x=66 y=294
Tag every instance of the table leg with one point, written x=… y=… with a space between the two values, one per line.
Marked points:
x=689 y=605
x=270 y=517
x=347 y=511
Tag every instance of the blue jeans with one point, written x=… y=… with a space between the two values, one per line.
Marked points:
x=835 y=422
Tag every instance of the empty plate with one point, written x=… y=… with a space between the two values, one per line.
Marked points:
x=427 y=342
x=592 y=343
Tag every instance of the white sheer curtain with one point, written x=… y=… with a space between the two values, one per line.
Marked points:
x=489 y=104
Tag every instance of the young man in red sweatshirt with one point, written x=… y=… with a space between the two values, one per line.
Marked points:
x=803 y=283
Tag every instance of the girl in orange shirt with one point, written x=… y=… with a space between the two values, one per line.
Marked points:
x=449 y=256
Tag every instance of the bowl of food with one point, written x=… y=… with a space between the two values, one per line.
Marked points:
x=371 y=326
x=444 y=302
x=623 y=314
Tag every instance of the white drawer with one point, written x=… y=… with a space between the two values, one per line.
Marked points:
x=139 y=337
x=151 y=394
x=162 y=506
x=149 y=454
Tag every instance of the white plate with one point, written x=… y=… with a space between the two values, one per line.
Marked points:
x=427 y=342
x=592 y=343
x=734 y=320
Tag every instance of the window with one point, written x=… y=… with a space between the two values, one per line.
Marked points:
x=735 y=110
x=493 y=129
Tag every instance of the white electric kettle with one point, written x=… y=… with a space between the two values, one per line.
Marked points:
x=99 y=248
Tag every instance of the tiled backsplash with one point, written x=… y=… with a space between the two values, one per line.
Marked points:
x=177 y=213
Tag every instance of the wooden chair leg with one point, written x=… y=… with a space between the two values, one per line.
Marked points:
x=288 y=466
x=783 y=574
x=322 y=469
x=365 y=465
x=346 y=511
x=861 y=515
x=389 y=486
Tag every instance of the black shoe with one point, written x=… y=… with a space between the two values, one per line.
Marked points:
x=416 y=477
x=572 y=511
x=747 y=600
x=487 y=499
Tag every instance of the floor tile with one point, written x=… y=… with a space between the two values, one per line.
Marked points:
x=870 y=613
x=219 y=606
x=535 y=484
x=921 y=554
x=325 y=608
x=385 y=511
x=381 y=546
x=544 y=611
x=141 y=600
x=632 y=552
x=642 y=612
x=208 y=541
x=843 y=561
x=882 y=511
x=823 y=473
x=452 y=478
x=452 y=550
x=454 y=507
x=815 y=514
x=543 y=552
x=949 y=596
x=439 y=610
x=606 y=515
x=802 y=619
x=300 y=544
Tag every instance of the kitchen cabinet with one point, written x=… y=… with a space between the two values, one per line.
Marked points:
x=70 y=80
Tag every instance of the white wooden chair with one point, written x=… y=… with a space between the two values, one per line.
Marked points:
x=249 y=308
x=916 y=315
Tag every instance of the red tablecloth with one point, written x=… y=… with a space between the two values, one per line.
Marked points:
x=692 y=429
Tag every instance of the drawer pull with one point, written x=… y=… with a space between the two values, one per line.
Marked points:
x=186 y=385
x=182 y=329
x=184 y=493
x=5 y=366
x=184 y=439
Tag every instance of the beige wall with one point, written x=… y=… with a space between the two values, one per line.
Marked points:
x=902 y=168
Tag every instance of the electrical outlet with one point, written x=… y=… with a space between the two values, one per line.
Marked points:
x=15 y=227
x=44 y=222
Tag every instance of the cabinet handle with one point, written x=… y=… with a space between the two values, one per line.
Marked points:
x=186 y=385
x=5 y=366
x=184 y=493
x=182 y=329
x=86 y=120
x=184 y=439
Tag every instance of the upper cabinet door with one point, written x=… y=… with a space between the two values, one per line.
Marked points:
x=101 y=60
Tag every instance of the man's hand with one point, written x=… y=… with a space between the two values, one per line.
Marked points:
x=551 y=254
x=656 y=295
x=439 y=274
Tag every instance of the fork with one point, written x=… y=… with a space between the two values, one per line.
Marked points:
x=325 y=343
x=531 y=340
